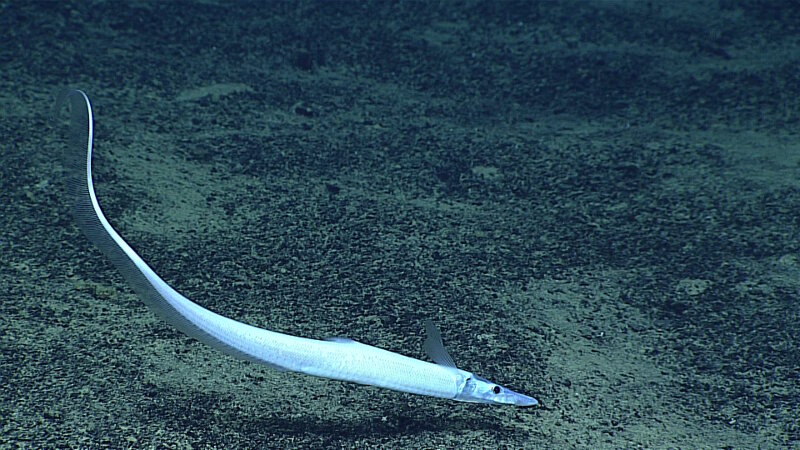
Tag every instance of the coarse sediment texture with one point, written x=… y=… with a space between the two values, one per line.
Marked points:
x=595 y=201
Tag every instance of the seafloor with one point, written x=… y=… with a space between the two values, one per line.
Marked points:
x=597 y=202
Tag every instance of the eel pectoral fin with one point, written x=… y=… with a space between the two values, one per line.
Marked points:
x=435 y=348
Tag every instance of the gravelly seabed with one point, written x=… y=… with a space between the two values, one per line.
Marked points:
x=597 y=202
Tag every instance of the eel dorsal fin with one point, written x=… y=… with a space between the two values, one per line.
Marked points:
x=435 y=348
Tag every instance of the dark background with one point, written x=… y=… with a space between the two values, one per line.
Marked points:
x=597 y=202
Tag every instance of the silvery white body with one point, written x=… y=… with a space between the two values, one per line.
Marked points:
x=340 y=359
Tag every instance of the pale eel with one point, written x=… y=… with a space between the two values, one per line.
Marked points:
x=338 y=358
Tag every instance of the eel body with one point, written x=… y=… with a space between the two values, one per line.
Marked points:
x=339 y=359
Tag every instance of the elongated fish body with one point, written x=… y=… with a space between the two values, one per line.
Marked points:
x=339 y=359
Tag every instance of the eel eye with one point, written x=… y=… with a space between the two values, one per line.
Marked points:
x=496 y=389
